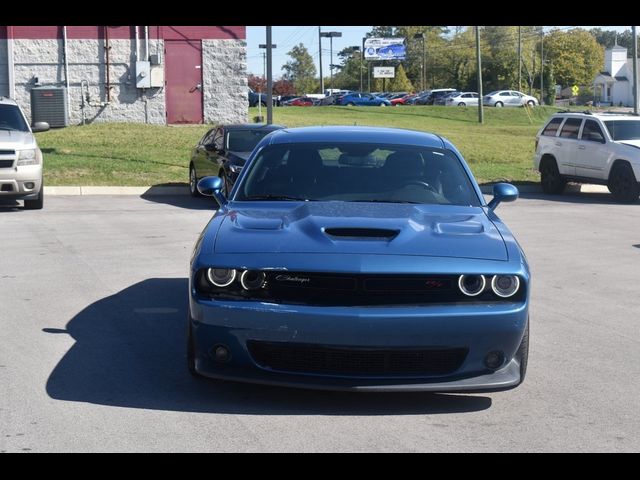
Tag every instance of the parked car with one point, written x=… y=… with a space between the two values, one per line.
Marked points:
x=285 y=98
x=364 y=99
x=358 y=258
x=301 y=102
x=434 y=94
x=442 y=99
x=330 y=99
x=223 y=151
x=509 y=98
x=462 y=99
x=590 y=148
x=401 y=99
x=20 y=157
x=255 y=98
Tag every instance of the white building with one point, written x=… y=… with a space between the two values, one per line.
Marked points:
x=614 y=85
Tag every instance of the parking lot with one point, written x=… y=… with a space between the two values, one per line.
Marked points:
x=93 y=302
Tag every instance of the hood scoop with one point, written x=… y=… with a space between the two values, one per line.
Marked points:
x=359 y=233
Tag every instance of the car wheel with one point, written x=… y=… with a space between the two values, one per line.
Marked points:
x=499 y=104
x=531 y=103
x=462 y=104
x=191 y=352
x=523 y=353
x=383 y=104
x=550 y=179
x=263 y=104
x=623 y=184
x=36 y=204
x=351 y=104
x=193 y=182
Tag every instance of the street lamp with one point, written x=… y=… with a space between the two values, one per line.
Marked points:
x=423 y=70
x=330 y=35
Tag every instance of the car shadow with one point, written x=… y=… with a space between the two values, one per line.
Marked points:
x=578 y=197
x=10 y=205
x=182 y=201
x=129 y=352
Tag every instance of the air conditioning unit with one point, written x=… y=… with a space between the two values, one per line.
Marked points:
x=49 y=104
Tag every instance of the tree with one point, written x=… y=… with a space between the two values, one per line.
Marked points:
x=283 y=87
x=301 y=70
x=575 y=56
x=257 y=83
x=400 y=83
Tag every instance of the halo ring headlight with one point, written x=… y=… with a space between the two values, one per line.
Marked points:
x=505 y=285
x=471 y=285
x=252 y=279
x=221 y=277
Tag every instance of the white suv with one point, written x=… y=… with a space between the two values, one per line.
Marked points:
x=587 y=147
x=20 y=157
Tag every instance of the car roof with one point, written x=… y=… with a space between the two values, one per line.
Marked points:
x=600 y=115
x=7 y=101
x=251 y=126
x=355 y=134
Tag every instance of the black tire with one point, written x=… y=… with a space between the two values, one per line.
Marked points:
x=523 y=353
x=462 y=104
x=531 y=103
x=351 y=104
x=191 y=353
x=499 y=105
x=623 y=184
x=550 y=179
x=36 y=204
x=193 y=182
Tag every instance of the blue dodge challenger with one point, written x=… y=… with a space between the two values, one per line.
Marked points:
x=358 y=258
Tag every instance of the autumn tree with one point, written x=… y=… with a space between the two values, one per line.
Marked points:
x=257 y=83
x=301 y=70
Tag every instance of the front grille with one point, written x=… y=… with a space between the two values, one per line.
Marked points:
x=308 y=358
x=7 y=152
x=6 y=163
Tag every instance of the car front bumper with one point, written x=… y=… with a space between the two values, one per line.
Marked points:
x=480 y=328
x=13 y=182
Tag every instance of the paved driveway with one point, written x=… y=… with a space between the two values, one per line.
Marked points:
x=93 y=302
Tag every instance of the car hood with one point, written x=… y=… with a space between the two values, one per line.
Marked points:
x=15 y=139
x=631 y=143
x=361 y=228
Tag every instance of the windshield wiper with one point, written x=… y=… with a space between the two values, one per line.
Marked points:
x=384 y=201
x=277 y=197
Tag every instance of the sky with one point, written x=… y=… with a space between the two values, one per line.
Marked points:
x=285 y=37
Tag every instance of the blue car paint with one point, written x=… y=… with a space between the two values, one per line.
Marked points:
x=283 y=236
x=364 y=101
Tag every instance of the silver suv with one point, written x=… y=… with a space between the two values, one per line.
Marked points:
x=600 y=148
x=20 y=157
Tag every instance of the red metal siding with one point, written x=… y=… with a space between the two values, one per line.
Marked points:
x=76 y=32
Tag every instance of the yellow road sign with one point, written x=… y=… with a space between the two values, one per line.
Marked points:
x=575 y=90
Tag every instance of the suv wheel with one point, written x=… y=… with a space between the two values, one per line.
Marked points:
x=36 y=204
x=623 y=184
x=550 y=179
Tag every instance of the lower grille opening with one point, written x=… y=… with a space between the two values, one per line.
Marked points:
x=6 y=187
x=6 y=163
x=309 y=358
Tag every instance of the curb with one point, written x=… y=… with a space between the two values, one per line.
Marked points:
x=184 y=190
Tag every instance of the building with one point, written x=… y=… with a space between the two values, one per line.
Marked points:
x=147 y=74
x=614 y=85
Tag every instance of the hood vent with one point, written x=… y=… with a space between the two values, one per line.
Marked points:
x=356 y=233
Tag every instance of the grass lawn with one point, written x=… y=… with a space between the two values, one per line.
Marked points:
x=135 y=154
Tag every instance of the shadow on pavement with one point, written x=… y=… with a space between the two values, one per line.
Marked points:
x=578 y=197
x=183 y=201
x=129 y=352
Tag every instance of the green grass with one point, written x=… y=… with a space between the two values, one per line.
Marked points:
x=135 y=154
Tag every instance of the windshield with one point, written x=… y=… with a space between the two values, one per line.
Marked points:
x=357 y=172
x=624 y=129
x=244 y=140
x=11 y=119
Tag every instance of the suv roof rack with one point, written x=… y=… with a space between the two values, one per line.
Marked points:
x=584 y=112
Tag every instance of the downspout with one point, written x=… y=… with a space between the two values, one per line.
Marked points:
x=146 y=43
x=107 y=48
x=66 y=66
x=135 y=37
x=10 y=64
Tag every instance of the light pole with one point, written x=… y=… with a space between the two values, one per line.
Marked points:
x=423 y=73
x=269 y=47
x=330 y=35
x=264 y=59
x=320 y=59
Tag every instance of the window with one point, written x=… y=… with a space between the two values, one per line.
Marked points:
x=217 y=138
x=12 y=119
x=570 y=128
x=592 y=132
x=552 y=127
x=208 y=137
x=515 y=94
x=245 y=140
x=505 y=94
x=624 y=129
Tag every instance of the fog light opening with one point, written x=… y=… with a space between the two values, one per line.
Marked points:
x=494 y=360
x=220 y=353
x=29 y=185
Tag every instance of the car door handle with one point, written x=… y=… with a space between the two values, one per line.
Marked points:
x=581 y=147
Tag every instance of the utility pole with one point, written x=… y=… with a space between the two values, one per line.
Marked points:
x=542 y=66
x=320 y=59
x=269 y=78
x=635 y=70
x=519 y=57
x=330 y=35
x=423 y=76
x=479 y=66
x=361 y=65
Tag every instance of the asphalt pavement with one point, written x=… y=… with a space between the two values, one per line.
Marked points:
x=93 y=296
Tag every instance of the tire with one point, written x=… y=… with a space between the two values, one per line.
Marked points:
x=383 y=104
x=263 y=104
x=191 y=352
x=193 y=182
x=622 y=183
x=550 y=179
x=531 y=103
x=462 y=104
x=523 y=353
x=499 y=105
x=351 y=104
x=36 y=204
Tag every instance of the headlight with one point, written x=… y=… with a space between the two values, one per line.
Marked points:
x=471 y=285
x=27 y=157
x=221 y=277
x=252 y=279
x=505 y=285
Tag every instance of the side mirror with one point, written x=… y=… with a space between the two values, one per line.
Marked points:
x=212 y=187
x=503 y=192
x=40 y=127
x=210 y=147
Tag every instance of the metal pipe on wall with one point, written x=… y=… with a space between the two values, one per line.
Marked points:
x=146 y=43
x=66 y=65
x=107 y=48
x=135 y=38
x=10 y=64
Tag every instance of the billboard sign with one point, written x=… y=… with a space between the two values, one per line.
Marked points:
x=384 y=72
x=385 y=48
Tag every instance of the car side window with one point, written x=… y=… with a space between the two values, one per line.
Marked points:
x=552 y=127
x=592 y=132
x=515 y=94
x=505 y=94
x=570 y=128
x=208 y=137
x=218 y=138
